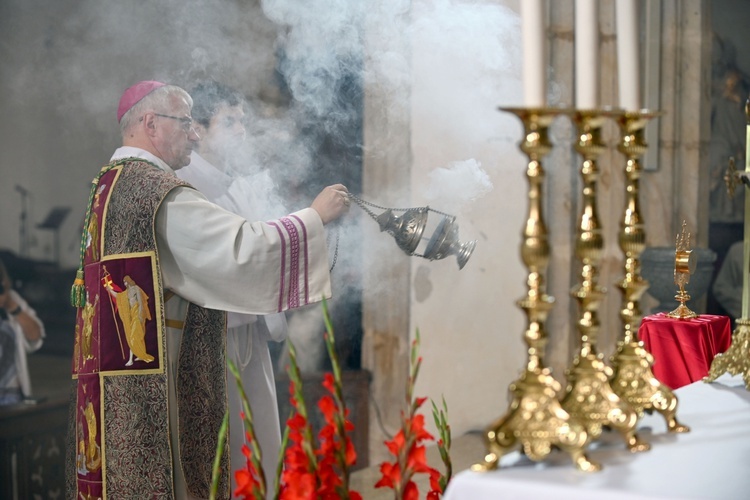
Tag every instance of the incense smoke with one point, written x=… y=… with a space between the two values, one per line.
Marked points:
x=304 y=66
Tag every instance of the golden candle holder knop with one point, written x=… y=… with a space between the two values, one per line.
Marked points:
x=589 y=396
x=632 y=377
x=535 y=420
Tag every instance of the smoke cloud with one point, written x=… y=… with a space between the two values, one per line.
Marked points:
x=455 y=186
x=304 y=66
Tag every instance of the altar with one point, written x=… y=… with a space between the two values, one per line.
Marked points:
x=708 y=462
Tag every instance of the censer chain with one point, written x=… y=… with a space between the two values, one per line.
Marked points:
x=359 y=201
x=335 y=250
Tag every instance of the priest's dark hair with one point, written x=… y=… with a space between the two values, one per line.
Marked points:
x=208 y=96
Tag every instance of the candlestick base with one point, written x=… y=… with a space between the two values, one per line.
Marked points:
x=537 y=423
x=591 y=401
x=634 y=381
x=735 y=360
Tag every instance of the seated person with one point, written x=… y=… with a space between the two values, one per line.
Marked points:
x=21 y=332
x=727 y=287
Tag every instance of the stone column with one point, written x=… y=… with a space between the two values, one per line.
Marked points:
x=386 y=181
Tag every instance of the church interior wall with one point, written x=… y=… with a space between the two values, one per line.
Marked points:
x=65 y=62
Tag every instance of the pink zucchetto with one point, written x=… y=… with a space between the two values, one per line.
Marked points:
x=134 y=94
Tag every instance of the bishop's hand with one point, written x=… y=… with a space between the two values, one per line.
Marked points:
x=331 y=203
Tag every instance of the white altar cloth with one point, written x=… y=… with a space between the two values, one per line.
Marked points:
x=711 y=461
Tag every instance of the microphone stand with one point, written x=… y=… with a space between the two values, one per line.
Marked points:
x=23 y=229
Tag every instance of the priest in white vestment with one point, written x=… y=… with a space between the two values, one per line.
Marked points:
x=219 y=120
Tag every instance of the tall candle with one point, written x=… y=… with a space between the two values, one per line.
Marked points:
x=532 y=36
x=626 y=12
x=586 y=51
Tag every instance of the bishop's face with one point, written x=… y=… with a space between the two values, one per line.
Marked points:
x=175 y=136
x=224 y=135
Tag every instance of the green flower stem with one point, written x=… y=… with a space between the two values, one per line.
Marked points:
x=280 y=461
x=216 y=471
x=340 y=417
x=440 y=416
x=296 y=378
x=255 y=456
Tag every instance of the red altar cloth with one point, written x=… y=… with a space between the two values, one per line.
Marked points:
x=683 y=349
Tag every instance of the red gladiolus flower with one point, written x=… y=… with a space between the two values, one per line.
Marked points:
x=329 y=480
x=307 y=472
x=397 y=443
x=417 y=460
x=411 y=492
x=329 y=382
x=328 y=407
x=246 y=484
x=391 y=476
x=435 y=481
x=418 y=430
x=247 y=478
x=300 y=486
x=296 y=458
x=351 y=453
x=407 y=445
x=297 y=422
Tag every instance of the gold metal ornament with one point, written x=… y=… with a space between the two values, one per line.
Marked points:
x=535 y=420
x=633 y=379
x=589 y=396
x=408 y=230
x=684 y=266
x=731 y=177
x=736 y=360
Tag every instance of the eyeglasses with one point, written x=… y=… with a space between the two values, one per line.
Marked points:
x=186 y=122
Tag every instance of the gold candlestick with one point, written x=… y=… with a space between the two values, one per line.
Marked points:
x=633 y=379
x=535 y=420
x=736 y=360
x=589 y=397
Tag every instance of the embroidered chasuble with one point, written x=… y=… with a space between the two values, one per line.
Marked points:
x=119 y=443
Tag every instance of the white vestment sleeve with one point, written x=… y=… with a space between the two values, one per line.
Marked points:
x=219 y=260
x=28 y=345
x=277 y=326
x=236 y=319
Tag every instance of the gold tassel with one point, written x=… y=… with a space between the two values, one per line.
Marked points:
x=78 y=291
